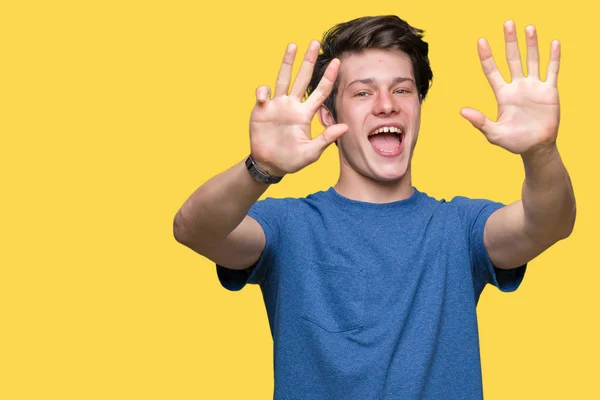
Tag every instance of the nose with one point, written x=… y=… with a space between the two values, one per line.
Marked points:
x=385 y=104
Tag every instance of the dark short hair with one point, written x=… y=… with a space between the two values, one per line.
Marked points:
x=387 y=32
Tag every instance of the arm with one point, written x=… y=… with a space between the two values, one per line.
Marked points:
x=213 y=221
x=519 y=232
x=528 y=119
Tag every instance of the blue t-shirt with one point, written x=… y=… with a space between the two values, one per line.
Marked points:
x=374 y=301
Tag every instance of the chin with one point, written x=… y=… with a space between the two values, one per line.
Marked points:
x=390 y=176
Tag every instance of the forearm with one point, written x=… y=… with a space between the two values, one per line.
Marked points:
x=280 y=143
x=547 y=196
x=215 y=209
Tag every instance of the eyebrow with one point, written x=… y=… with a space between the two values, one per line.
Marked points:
x=370 y=81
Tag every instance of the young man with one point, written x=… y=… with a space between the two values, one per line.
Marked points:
x=371 y=286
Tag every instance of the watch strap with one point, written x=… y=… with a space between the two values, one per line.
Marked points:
x=258 y=174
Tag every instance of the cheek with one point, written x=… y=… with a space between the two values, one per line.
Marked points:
x=353 y=110
x=415 y=114
x=355 y=118
x=350 y=140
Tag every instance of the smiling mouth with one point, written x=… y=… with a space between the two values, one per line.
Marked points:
x=387 y=141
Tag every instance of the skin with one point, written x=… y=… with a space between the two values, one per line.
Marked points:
x=377 y=87
x=527 y=125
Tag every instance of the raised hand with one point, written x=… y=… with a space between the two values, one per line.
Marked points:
x=280 y=138
x=528 y=108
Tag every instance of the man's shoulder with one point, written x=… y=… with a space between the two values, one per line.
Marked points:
x=457 y=201
x=316 y=197
x=461 y=205
x=289 y=205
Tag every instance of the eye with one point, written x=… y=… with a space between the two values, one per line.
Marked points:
x=361 y=94
x=400 y=91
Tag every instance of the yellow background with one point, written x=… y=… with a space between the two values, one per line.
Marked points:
x=113 y=112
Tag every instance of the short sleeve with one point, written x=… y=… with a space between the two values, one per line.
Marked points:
x=270 y=214
x=474 y=214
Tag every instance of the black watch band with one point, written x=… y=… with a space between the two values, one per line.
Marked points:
x=258 y=174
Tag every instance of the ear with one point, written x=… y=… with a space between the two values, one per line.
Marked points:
x=325 y=117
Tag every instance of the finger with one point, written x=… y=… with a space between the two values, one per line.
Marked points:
x=323 y=89
x=533 y=55
x=513 y=57
x=285 y=72
x=554 y=64
x=488 y=64
x=306 y=70
x=329 y=136
x=263 y=94
x=479 y=121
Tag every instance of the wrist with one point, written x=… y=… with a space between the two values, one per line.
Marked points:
x=543 y=167
x=541 y=154
x=261 y=173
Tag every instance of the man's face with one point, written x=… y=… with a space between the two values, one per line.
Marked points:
x=377 y=92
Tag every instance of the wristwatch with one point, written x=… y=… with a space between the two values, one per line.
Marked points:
x=258 y=174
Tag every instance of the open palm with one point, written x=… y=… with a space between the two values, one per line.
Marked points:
x=528 y=108
x=280 y=137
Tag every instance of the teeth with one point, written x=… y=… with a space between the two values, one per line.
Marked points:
x=386 y=129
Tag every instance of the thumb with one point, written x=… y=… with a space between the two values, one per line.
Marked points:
x=329 y=135
x=478 y=120
x=263 y=94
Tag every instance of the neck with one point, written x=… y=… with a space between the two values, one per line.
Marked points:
x=358 y=187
